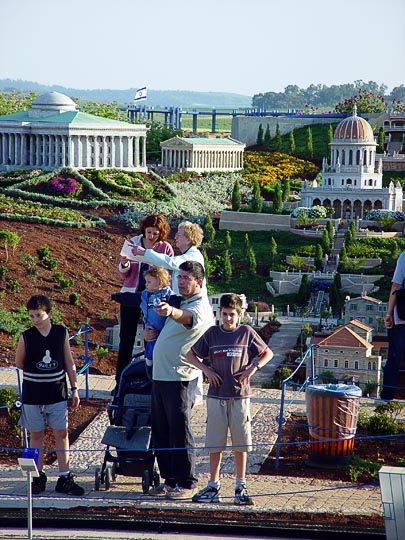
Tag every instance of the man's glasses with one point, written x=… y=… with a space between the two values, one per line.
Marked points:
x=186 y=278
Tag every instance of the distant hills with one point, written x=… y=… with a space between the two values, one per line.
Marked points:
x=163 y=98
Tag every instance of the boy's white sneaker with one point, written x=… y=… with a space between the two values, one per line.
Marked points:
x=207 y=495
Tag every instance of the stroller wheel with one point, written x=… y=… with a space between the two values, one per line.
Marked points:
x=97 y=479
x=146 y=482
x=107 y=477
x=156 y=479
x=114 y=471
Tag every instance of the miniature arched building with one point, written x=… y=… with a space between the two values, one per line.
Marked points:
x=352 y=181
x=53 y=134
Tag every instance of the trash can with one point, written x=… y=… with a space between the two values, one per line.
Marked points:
x=332 y=411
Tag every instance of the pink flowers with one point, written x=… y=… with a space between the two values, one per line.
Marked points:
x=261 y=306
x=64 y=186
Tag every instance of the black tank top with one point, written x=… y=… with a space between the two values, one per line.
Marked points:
x=44 y=380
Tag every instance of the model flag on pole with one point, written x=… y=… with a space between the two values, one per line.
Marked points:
x=141 y=93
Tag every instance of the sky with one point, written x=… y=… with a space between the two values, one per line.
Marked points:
x=239 y=46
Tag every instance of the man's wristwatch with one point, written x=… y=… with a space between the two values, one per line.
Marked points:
x=256 y=364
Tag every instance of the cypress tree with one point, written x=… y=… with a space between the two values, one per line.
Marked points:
x=318 y=259
x=273 y=250
x=329 y=228
x=257 y=201
x=236 y=196
x=267 y=137
x=277 y=199
x=246 y=246
x=338 y=281
x=286 y=189
x=304 y=291
x=395 y=251
x=259 y=139
x=381 y=140
x=207 y=264
x=209 y=231
x=228 y=240
x=339 y=298
x=326 y=242
x=278 y=138
x=344 y=259
x=251 y=261
x=310 y=148
x=334 y=298
x=227 y=266
x=292 y=142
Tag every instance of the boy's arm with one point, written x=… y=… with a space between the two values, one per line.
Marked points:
x=70 y=368
x=251 y=368
x=20 y=354
x=196 y=361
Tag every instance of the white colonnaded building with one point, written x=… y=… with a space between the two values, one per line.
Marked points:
x=54 y=134
x=352 y=182
x=202 y=154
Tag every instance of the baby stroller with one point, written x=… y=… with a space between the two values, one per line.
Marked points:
x=129 y=431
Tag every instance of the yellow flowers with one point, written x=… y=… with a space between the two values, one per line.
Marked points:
x=269 y=167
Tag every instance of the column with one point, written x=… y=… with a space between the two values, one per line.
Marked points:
x=71 y=157
x=15 y=149
x=125 y=151
x=22 y=149
x=4 y=150
x=88 y=151
x=96 y=149
x=55 y=151
x=144 y=152
x=136 y=152
x=130 y=143
x=38 y=150
x=63 y=150
x=120 y=149
x=112 y=151
x=49 y=151
x=31 y=152
x=102 y=151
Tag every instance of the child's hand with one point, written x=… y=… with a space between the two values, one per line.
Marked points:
x=244 y=376
x=150 y=334
x=213 y=377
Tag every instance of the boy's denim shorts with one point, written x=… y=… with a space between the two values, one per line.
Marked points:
x=36 y=417
x=231 y=415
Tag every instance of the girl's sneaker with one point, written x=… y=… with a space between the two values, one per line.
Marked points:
x=207 y=495
x=66 y=484
x=38 y=483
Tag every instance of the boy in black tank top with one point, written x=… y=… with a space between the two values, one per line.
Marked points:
x=43 y=353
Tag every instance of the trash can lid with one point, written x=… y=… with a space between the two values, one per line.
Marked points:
x=336 y=390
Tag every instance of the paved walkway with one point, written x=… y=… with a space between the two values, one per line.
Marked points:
x=271 y=493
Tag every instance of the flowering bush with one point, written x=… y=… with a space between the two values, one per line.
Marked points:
x=270 y=167
x=64 y=186
x=261 y=306
x=194 y=197
x=316 y=212
x=366 y=102
x=375 y=215
x=35 y=212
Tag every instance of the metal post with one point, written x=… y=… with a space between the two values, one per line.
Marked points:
x=29 y=490
x=195 y=117
x=86 y=355
x=280 y=425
